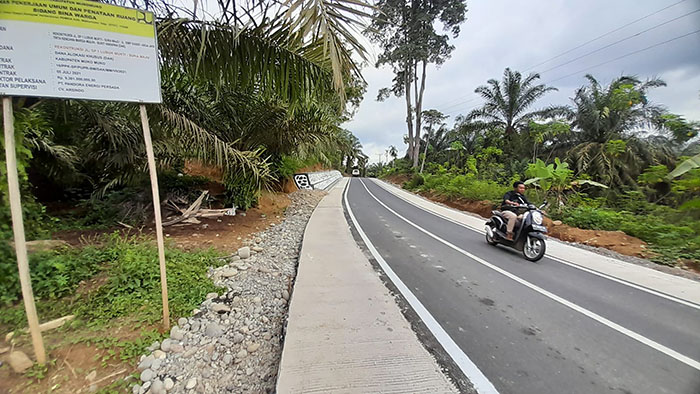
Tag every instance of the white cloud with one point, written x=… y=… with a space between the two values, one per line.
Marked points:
x=503 y=33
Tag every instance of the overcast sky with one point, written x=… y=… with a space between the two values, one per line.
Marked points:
x=521 y=34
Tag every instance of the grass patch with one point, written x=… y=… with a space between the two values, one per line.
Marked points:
x=114 y=292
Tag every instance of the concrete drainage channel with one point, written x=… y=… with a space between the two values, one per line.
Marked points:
x=322 y=180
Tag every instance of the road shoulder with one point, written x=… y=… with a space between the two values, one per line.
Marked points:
x=345 y=332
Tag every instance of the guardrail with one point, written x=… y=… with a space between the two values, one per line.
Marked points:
x=322 y=180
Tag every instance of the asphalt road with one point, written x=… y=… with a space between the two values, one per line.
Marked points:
x=519 y=327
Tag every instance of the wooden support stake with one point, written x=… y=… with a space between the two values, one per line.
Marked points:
x=156 y=210
x=18 y=230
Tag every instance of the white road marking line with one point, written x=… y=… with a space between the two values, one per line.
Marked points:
x=470 y=370
x=557 y=259
x=638 y=337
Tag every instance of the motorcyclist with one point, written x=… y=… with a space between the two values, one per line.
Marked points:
x=509 y=210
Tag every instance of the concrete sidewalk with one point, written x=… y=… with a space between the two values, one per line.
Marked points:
x=345 y=332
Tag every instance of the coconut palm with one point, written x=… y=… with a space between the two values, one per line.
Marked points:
x=509 y=102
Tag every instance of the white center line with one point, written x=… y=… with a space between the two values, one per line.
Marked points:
x=625 y=331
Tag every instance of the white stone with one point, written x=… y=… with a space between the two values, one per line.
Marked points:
x=213 y=330
x=244 y=252
x=157 y=387
x=176 y=333
x=147 y=375
x=220 y=308
x=191 y=383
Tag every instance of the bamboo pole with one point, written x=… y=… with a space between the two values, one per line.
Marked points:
x=18 y=230
x=156 y=210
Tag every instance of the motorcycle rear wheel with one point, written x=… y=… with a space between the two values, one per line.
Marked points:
x=489 y=239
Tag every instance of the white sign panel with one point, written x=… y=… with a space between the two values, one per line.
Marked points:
x=78 y=49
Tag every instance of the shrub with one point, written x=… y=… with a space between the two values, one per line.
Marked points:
x=416 y=181
x=134 y=281
x=671 y=241
x=54 y=273
x=242 y=191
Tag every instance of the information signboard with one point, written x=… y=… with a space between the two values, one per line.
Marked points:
x=78 y=49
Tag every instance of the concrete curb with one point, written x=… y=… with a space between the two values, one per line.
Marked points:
x=345 y=332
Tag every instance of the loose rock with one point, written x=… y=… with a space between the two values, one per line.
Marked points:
x=165 y=346
x=157 y=387
x=244 y=252
x=19 y=361
x=220 y=308
x=159 y=354
x=213 y=330
x=147 y=375
x=191 y=383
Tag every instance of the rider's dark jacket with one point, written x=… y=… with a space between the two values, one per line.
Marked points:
x=514 y=197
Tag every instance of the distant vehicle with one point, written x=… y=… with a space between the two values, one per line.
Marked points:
x=355 y=172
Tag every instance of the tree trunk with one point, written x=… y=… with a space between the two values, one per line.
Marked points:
x=425 y=153
x=409 y=115
x=419 y=110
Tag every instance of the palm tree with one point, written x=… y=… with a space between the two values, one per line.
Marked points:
x=431 y=118
x=606 y=142
x=508 y=102
x=234 y=91
x=394 y=153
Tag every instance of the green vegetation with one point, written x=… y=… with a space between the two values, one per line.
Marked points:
x=612 y=161
x=129 y=284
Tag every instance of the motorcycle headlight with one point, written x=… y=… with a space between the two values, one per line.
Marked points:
x=537 y=217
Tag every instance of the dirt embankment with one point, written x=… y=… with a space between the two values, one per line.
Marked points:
x=613 y=240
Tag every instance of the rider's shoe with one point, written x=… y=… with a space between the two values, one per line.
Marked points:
x=509 y=236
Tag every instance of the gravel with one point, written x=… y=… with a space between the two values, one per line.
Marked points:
x=233 y=342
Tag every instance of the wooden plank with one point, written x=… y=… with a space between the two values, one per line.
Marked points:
x=156 y=211
x=50 y=325
x=18 y=230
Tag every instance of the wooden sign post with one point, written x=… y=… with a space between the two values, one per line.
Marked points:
x=58 y=71
x=18 y=230
x=156 y=211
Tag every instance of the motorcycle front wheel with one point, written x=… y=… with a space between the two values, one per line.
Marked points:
x=534 y=249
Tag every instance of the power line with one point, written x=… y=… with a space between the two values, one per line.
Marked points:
x=621 y=40
x=605 y=62
x=597 y=50
x=584 y=44
x=625 y=55
x=604 y=35
x=461 y=102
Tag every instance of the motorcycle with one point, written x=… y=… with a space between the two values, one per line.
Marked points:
x=528 y=235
